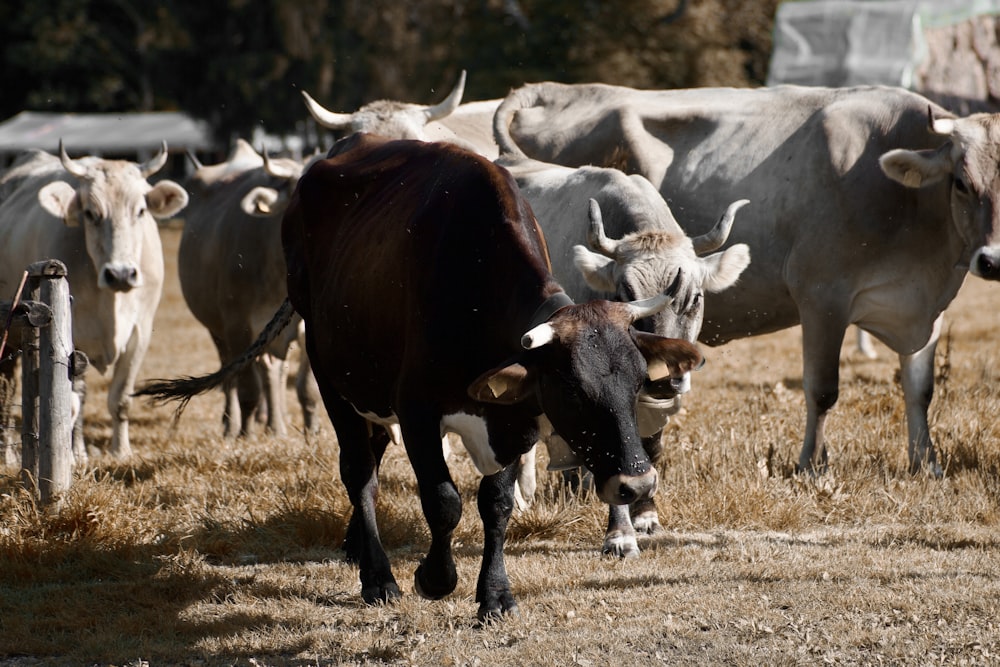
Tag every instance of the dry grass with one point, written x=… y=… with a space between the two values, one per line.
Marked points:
x=202 y=551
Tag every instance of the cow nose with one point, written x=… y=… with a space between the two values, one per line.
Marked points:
x=987 y=266
x=120 y=278
x=626 y=489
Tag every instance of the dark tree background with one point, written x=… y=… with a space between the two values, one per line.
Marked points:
x=240 y=63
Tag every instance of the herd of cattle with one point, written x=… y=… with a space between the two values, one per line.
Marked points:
x=524 y=279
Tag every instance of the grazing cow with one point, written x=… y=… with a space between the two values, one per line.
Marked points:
x=425 y=288
x=639 y=252
x=872 y=206
x=232 y=276
x=99 y=218
x=468 y=125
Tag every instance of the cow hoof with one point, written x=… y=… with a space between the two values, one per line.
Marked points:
x=388 y=592
x=431 y=590
x=621 y=546
x=498 y=610
x=647 y=524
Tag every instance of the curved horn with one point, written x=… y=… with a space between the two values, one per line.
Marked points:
x=449 y=104
x=647 y=307
x=714 y=239
x=194 y=159
x=595 y=235
x=943 y=126
x=543 y=334
x=328 y=119
x=68 y=164
x=273 y=169
x=155 y=163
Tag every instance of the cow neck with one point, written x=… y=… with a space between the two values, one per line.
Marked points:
x=548 y=308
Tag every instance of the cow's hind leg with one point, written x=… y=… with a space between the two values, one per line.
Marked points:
x=496 y=503
x=442 y=505
x=354 y=539
x=822 y=337
x=359 y=472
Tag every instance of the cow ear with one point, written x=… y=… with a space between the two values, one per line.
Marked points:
x=597 y=270
x=915 y=169
x=59 y=198
x=166 y=199
x=667 y=357
x=259 y=202
x=505 y=385
x=723 y=269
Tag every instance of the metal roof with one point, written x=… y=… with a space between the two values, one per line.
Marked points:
x=104 y=133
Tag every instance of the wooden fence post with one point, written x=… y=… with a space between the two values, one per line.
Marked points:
x=51 y=408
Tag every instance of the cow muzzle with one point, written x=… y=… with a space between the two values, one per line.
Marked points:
x=119 y=277
x=986 y=263
x=625 y=489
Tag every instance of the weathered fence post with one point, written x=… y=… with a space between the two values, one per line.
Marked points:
x=48 y=413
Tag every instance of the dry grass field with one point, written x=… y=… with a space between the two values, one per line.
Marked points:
x=207 y=552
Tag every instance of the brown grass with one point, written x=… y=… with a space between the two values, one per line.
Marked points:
x=202 y=551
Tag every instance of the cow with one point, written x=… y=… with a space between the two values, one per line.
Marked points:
x=232 y=276
x=874 y=205
x=468 y=125
x=639 y=251
x=98 y=217
x=424 y=284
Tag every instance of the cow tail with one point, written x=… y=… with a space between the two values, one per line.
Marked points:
x=517 y=100
x=185 y=388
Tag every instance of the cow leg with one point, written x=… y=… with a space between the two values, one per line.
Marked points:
x=9 y=437
x=80 y=397
x=822 y=337
x=619 y=538
x=496 y=503
x=305 y=387
x=527 y=482
x=120 y=390
x=917 y=377
x=359 y=472
x=442 y=505
x=248 y=396
x=645 y=518
x=353 y=539
x=274 y=372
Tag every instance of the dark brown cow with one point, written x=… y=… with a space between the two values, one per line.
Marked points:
x=424 y=284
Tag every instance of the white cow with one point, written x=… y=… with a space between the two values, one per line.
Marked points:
x=872 y=205
x=99 y=218
x=638 y=251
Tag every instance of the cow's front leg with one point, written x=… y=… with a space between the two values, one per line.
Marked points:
x=822 y=337
x=274 y=373
x=917 y=377
x=435 y=577
x=645 y=517
x=496 y=503
x=619 y=538
x=120 y=391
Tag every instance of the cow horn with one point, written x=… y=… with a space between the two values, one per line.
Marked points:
x=194 y=159
x=647 y=307
x=273 y=169
x=68 y=164
x=943 y=126
x=714 y=239
x=155 y=163
x=450 y=103
x=328 y=119
x=596 y=236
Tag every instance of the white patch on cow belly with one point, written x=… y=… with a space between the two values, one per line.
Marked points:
x=390 y=424
x=476 y=439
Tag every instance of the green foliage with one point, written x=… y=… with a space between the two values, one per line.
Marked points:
x=241 y=63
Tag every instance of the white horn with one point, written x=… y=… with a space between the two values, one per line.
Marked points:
x=273 y=169
x=714 y=239
x=449 y=104
x=596 y=236
x=325 y=117
x=155 y=163
x=943 y=126
x=539 y=336
x=650 y=306
x=69 y=165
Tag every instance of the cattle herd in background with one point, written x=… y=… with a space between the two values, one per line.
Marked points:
x=704 y=215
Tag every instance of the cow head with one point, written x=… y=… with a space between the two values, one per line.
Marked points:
x=266 y=201
x=113 y=202
x=644 y=264
x=399 y=120
x=585 y=366
x=970 y=161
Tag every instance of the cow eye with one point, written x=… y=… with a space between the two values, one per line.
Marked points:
x=961 y=186
x=142 y=212
x=89 y=216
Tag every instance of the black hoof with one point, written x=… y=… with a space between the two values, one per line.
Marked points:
x=381 y=594
x=432 y=590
